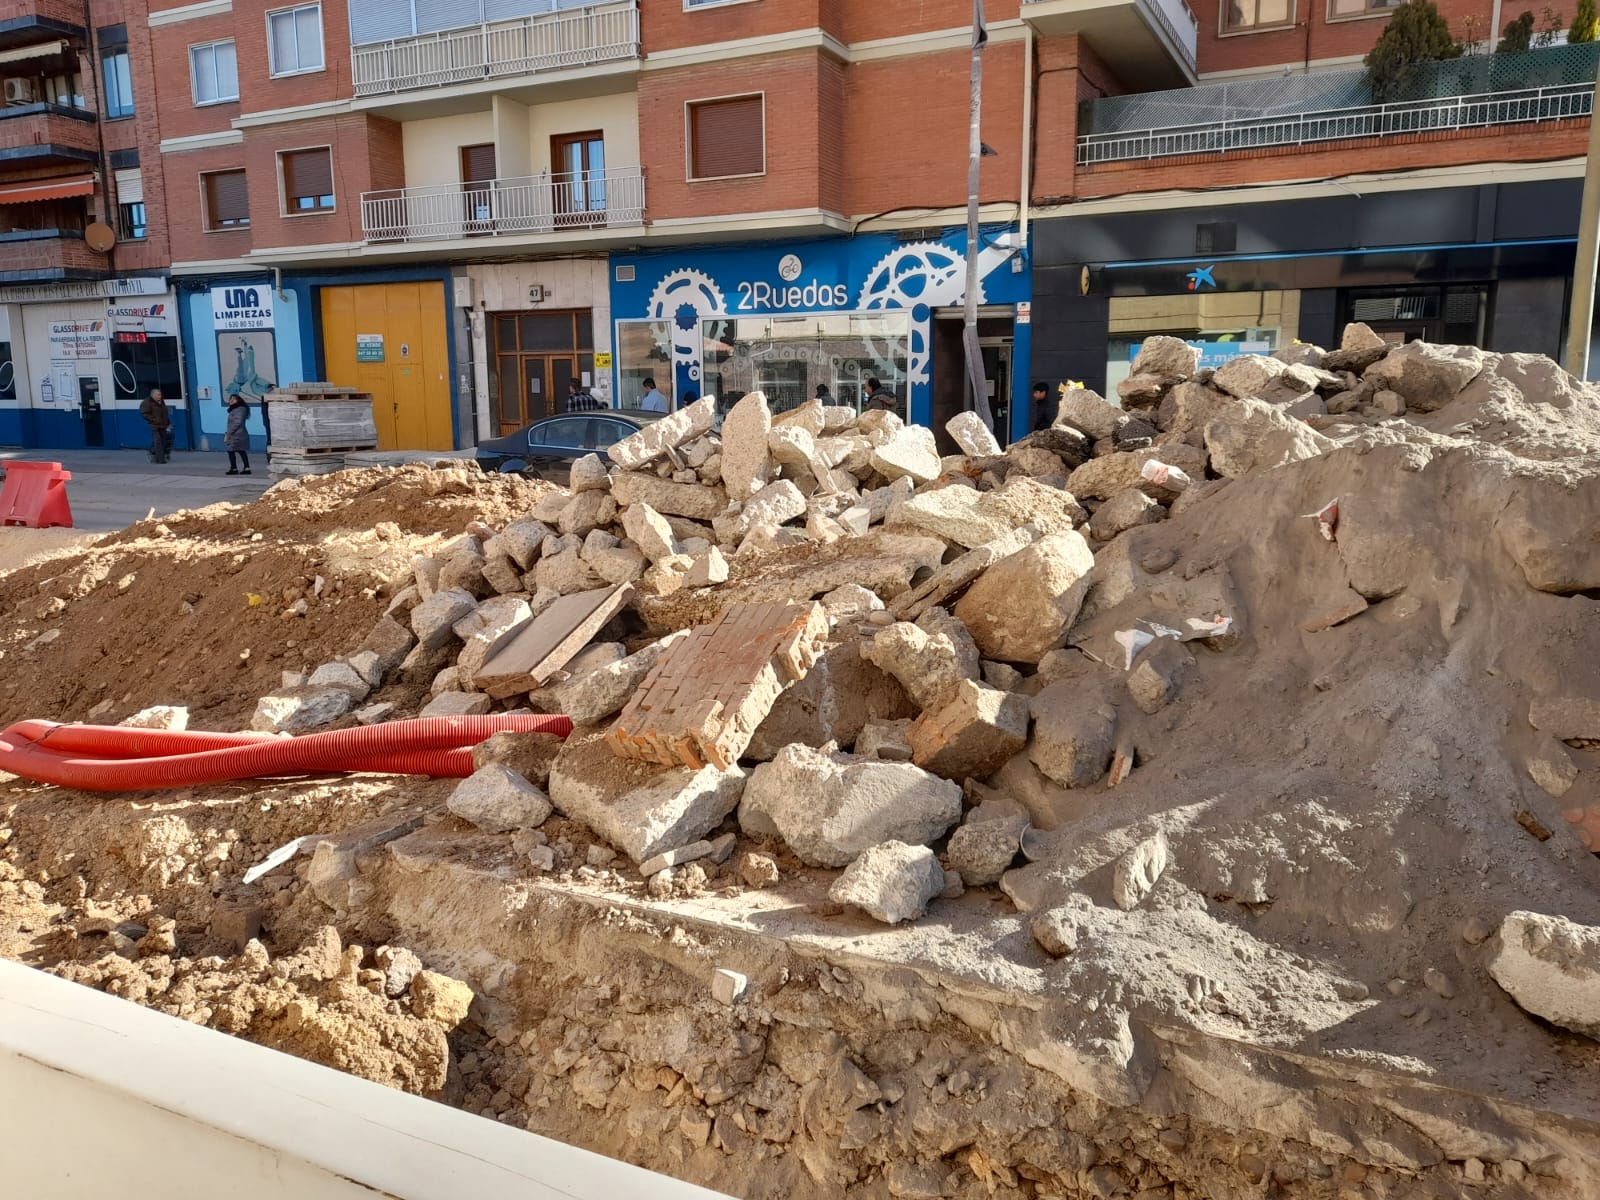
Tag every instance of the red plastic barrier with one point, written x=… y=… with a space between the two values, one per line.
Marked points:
x=35 y=494
x=113 y=759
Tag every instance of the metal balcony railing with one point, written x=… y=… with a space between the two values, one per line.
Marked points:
x=499 y=50
x=1480 y=91
x=549 y=203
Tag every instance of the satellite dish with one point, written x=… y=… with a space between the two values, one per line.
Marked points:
x=100 y=237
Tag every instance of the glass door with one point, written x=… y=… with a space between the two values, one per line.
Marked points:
x=578 y=162
x=536 y=354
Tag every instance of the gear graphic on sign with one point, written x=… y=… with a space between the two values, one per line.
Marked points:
x=919 y=276
x=683 y=298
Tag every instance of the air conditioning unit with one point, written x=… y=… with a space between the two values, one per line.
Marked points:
x=20 y=91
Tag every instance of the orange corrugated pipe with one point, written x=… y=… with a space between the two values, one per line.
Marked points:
x=102 y=758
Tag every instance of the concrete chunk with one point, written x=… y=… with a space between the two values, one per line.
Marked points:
x=697 y=501
x=927 y=664
x=972 y=435
x=297 y=710
x=1551 y=967
x=641 y=809
x=457 y=704
x=1024 y=605
x=670 y=432
x=1158 y=673
x=891 y=882
x=589 y=474
x=1074 y=736
x=830 y=809
x=337 y=675
x=498 y=800
x=971 y=734
x=1248 y=375
x=982 y=851
x=649 y=531
x=909 y=453
x=1168 y=357
x=1135 y=875
x=778 y=502
x=390 y=641
x=602 y=692
x=1088 y=411
x=746 y=467
x=1252 y=435
x=434 y=619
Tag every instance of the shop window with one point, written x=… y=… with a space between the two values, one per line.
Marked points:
x=788 y=358
x=643 y=351
x=1359 y=8
x=1451 y=315
x=294 y=39
x=727 y=137
x=1245 y=16
x=8 y=373
x=227 y=200
x=118 y=82
x=214 y=72
x=307 y=180
x=1222 y=324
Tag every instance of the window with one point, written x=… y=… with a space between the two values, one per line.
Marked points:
x=644 y=351
x=294 y=39
x=1242 y=16
x=574 y=432
x=728 y=137
x=788 y=356
x=118 y=82
x=692 y=4
x=133 y=221
x=1359 y=8
x=227 y=200
x=579 y=162
x=214 y=72
x=130 y=203
x=307 y=180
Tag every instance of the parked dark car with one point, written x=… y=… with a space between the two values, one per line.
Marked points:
x=547 y=448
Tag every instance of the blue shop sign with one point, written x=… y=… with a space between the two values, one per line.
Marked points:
x=795 y=315
x=1214 y=354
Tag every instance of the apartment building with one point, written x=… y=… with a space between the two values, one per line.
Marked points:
x=464 y=205
x=1270 y=196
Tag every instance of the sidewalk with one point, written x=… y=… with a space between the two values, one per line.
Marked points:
x=111 y=489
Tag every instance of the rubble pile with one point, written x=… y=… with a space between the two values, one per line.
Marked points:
x=1262 y=706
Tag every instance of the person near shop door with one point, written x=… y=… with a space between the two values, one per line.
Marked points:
x=234 y=439
x=880 y=398
x=652 y=400
x=579 y=399
x=158 y=416
x=1045 y=407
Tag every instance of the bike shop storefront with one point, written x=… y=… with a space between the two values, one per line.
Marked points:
x=790 y=318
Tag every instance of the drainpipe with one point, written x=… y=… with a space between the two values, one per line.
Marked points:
x=1025 y=209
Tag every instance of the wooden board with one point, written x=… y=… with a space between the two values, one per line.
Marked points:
x=529 y=655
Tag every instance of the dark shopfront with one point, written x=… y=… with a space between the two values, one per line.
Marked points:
x=1488 y=265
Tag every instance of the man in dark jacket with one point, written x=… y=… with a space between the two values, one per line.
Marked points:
x=1045 y=407
x=156 y=415
x=880 y=398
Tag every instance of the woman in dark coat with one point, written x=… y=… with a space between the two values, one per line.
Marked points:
x=234 y=439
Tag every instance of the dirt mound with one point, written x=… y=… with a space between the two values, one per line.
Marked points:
x=191 y=609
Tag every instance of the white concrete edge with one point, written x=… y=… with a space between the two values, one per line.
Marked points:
x=301 y=112
x=201 y=141
x=111 y=1099
x=190 y=12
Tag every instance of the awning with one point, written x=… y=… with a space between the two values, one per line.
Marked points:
x=47 y=189
x=37 y=50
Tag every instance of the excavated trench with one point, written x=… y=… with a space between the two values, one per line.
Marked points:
x=857 y=1060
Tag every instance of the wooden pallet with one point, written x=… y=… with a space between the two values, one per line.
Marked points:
x=317 y=451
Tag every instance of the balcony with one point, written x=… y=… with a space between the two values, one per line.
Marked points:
x=575 y=40
x=1476 y=92
x=1152 y=41
x=43 y=21
x=44 y=254
x=47 y=135
x=595 y=201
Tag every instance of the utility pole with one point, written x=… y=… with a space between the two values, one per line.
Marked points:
x=969 y=332
x=1580 y=314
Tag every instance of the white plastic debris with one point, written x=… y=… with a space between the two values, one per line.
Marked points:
x=1327 y=519
x=1132 y=641
x=280 y=856
x=1217 y=626
x=1163 y=475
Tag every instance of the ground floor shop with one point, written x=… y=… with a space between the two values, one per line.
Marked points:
x=1489 y=266
x=77 y=359
x=789 y=318
x=387 y=334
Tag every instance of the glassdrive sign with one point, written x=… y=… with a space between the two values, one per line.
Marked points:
x=242 y=306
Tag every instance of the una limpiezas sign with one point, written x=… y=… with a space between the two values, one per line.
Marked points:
x=242 y=307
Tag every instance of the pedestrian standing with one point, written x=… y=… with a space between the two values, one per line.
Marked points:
x=652 y=400
x=880 y=398
x=1044 y=408
x=234 y=439
x=158 y=416
x=579 y=398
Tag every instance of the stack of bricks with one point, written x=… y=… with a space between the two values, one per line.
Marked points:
x=702 y=702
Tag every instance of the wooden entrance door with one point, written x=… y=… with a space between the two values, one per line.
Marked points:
x=536 y=354
x=477 y=188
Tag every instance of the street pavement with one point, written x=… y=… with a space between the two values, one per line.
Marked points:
x=111 y=489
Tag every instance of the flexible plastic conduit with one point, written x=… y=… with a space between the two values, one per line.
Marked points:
x=100 y=758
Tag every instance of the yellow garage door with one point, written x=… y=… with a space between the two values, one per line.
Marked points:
x=391 y=339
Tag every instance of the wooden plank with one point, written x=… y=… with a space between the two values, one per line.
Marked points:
x=530 y=655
